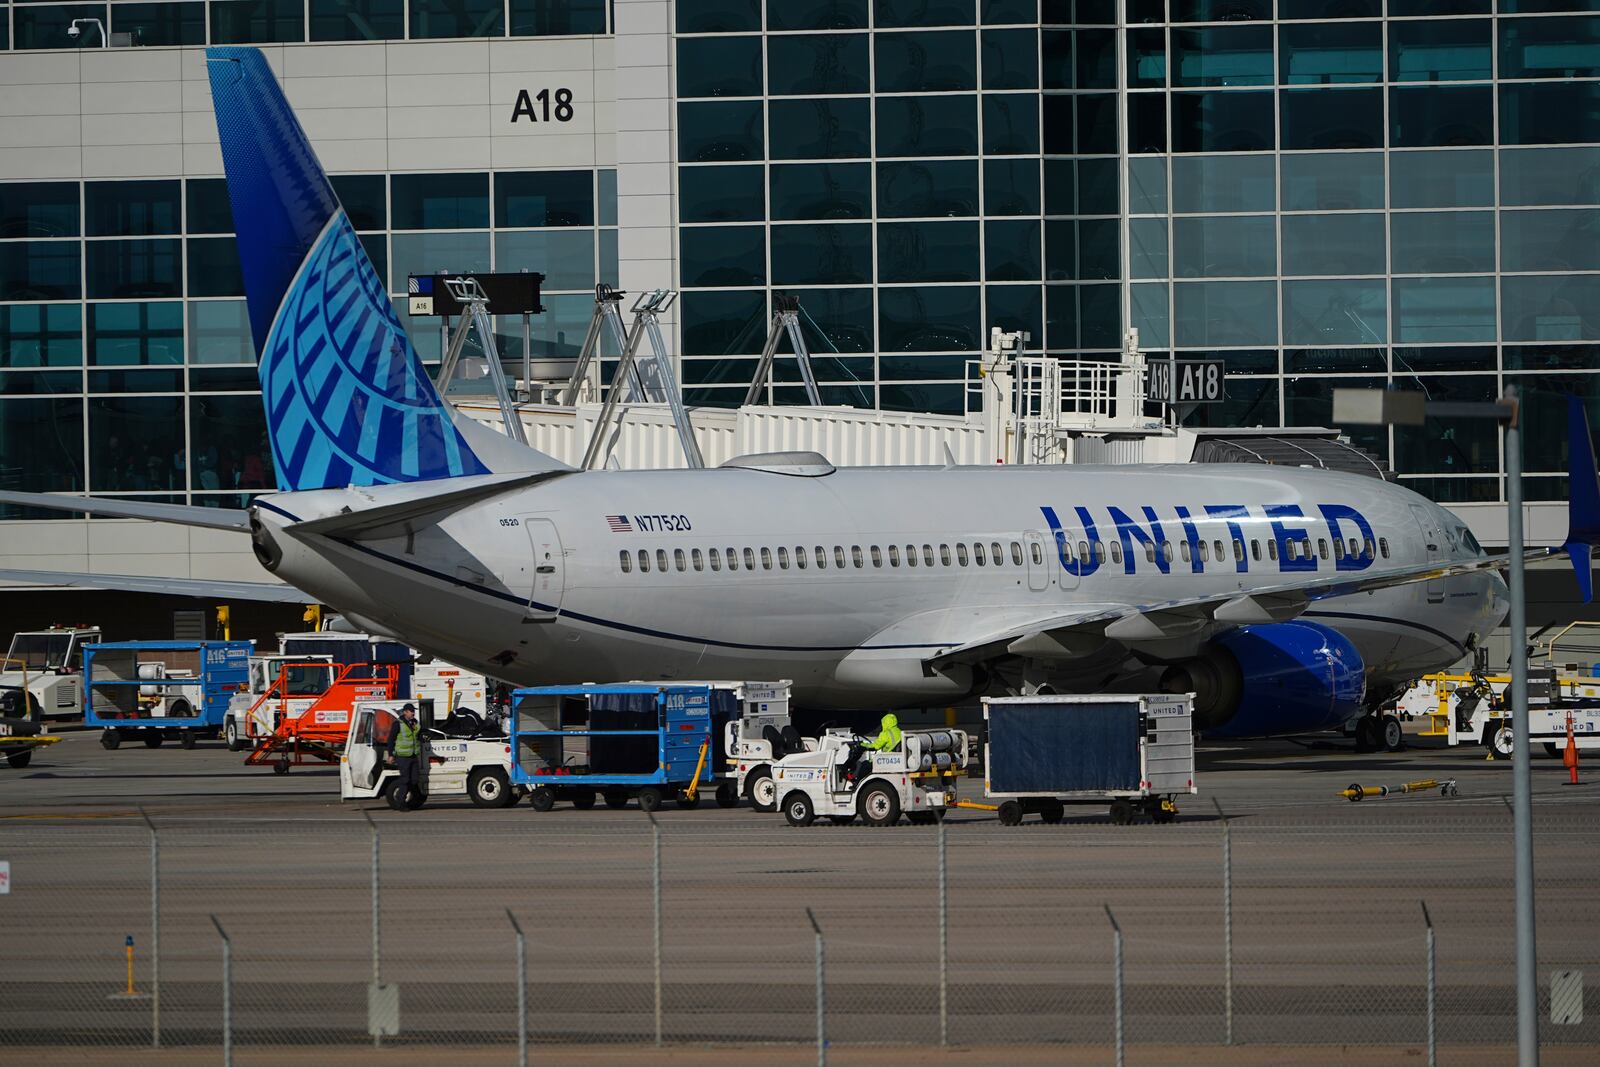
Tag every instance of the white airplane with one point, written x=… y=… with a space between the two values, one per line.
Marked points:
x=1288 y=599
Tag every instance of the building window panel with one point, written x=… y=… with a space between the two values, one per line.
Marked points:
x=1221 y=10
x=357 y=20
x=719 y=66
x=1329 y=9
x=42 y=26
x=207 y=208
x=1082 y=316
x=1147 y=242
x=1451 y=445
x=41 y=335
x=721 y=324
x=1330 y=53
x=40 y=270
x=1440 y=50
x=436 y=253
x=1334 y=313
x=1550 y=240
x=722 y=194
x=928 y=126
x=1545 y=308
x=1011 y=250
x=926 y=62
x=719 y=132
x=558 y=18
x=1441 y=179
x=922 y=13
x=816 y=14
x=257 y=21
x=1017 y=307
x=175 y=23
x=440 y=201
x=928 y=252
x=1225 y=313
x=1441 y=116
x=1442 y=242
x=228 y=446
x=564 y=257
x=718 y=16
x=121 y=269
x=1333 y=181
x=457 y=18
x=822 y=254
x=817 y=64
x=1147 y=122
x=363 y=198
x=943 y=319
x=1222 y=122
x=1222 y=55
x=1147 y=59
x=543 y=198
x=1224 y=248
x=1095 y=124
x=1011 y=187
x=38 y=209
x=836 y=320
x=1550 y=47
x=1550 y=113
x=131 y=209
x=136 y=334
x=1412 y=8
x=219 y=332
x=42 y=449
x=1536 y=176
x=214 y=267
x=1002 y=12
x=136 y=443
x=1332 y=118
x=813 y=129
x=1443 y=309
x=722 y=256
x=1010 y=59
x=1010 y=124
x=1333 y=244
x=1149 y=305
x=821 y=191
x=928 y=188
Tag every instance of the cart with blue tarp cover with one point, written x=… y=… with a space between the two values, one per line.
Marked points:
x=1133 y=752
x=162 y=689
x=646 y=741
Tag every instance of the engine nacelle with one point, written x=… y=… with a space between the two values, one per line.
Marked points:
x=1277 y=678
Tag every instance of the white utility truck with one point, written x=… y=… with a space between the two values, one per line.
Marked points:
x=41 y=677
x=841 y=778
x=253 y=714
x=478 y=767
x=762 y=733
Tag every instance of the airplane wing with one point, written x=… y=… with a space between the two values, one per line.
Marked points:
x=1058 y=633
x=183 y=515
x=273 y=592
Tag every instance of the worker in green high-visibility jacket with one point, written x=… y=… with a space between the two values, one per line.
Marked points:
x=407 y=760
x=888 y=739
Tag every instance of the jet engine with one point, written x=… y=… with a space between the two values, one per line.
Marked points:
x=1277 y=678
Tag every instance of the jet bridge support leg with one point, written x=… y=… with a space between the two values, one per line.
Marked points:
x=475 y=316
x=658 y=386
x=785 y=321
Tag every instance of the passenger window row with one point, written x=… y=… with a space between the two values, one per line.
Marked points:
x=1219 y=550
x=820 y=557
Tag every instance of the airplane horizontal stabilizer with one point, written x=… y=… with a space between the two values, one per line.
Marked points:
x=414 y=512
x=181 y=514
x=1583 y=498
x=270 y=592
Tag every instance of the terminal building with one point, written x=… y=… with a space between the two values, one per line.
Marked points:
x=1321 y=193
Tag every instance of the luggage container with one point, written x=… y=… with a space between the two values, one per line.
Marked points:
x=162 y=689
x=1134 y=752
x=643 y=740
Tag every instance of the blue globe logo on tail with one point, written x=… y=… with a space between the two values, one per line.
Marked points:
x=347 y=399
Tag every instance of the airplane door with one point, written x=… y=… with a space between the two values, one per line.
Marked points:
x=548 y=577
x=358 y=771
x=1433 y=546
x=1038 y=561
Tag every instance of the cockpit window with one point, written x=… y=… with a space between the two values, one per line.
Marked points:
x=1469 y=542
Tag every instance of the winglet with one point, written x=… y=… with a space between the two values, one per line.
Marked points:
x=1583 y=497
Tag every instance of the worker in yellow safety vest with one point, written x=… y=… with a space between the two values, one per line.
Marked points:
x=888 y=739
x=407 y=760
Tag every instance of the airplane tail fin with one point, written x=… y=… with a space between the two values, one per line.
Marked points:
x=1583 y=498
x=348 y=401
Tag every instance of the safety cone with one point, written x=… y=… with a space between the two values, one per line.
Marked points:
x=1570 y=756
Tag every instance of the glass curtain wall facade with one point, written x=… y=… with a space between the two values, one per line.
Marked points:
x=1322 y=193
x=126 y=363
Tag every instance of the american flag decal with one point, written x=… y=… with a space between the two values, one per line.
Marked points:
x=619 y=524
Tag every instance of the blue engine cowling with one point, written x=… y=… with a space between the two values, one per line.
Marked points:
x=1278 y=678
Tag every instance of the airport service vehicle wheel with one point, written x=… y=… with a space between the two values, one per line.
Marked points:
x=186 y=738
x=152 y=739
x=584 y=799
x=879 y=806
x=230 y=733
x=727 y=795
x=1503 y=740
x=20 y=759
x=542 y=799
x=651 y=798
x=489 y=788
x=415 y=798
x=687 y=802
x=1052 y=811
x=110 y=739
x=761 y=789
x=798 y=810
x=282 y=765
x=180 y=710
x=1121 y=812
x=1394 y=738
x=1162 y=816
x=391 y=793
x=841 y=820
x=1010 y=813
x=616 y=798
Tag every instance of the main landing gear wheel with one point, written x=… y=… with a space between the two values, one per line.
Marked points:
x=1010 y=813
x=798 y=810
x=490 y=789
x=1393 y=736
x=762 y=790
x=727 y=795
x=879 y=806
x=1368 y=737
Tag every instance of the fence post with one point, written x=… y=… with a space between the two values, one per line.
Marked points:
x=822 y=995
x=155 y=929
x=1116 y=978
x=1227 y=926
x=655 y=835
x=522 y=991
x=377 y=959
x=1432 y=1018
x=227 y=994
x=944 y=943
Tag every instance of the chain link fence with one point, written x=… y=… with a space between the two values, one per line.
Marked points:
x=1268 y=930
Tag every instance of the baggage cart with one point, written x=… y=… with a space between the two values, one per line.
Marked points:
x=161 y=689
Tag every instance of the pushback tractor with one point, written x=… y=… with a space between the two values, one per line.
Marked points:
x=840 y=778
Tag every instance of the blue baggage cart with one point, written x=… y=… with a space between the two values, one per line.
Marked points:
x=645 y=741
x=162 y=689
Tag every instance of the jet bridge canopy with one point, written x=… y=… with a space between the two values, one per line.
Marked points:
x=1323 y=452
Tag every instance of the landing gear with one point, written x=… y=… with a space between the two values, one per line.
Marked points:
x=1379 y=732
x=1394 y=738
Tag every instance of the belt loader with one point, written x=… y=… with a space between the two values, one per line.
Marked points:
x=841 y=778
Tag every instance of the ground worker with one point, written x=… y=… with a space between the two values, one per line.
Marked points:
x=407 y=756
x=888 y=739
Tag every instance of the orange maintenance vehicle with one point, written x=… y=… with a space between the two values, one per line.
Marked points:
x=303 y=716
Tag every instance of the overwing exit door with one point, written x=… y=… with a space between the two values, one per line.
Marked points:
x=547 y=570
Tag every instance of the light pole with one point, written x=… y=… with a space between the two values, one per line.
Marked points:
x=1390 y=407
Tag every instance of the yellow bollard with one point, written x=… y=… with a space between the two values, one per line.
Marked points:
x=129 y=946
